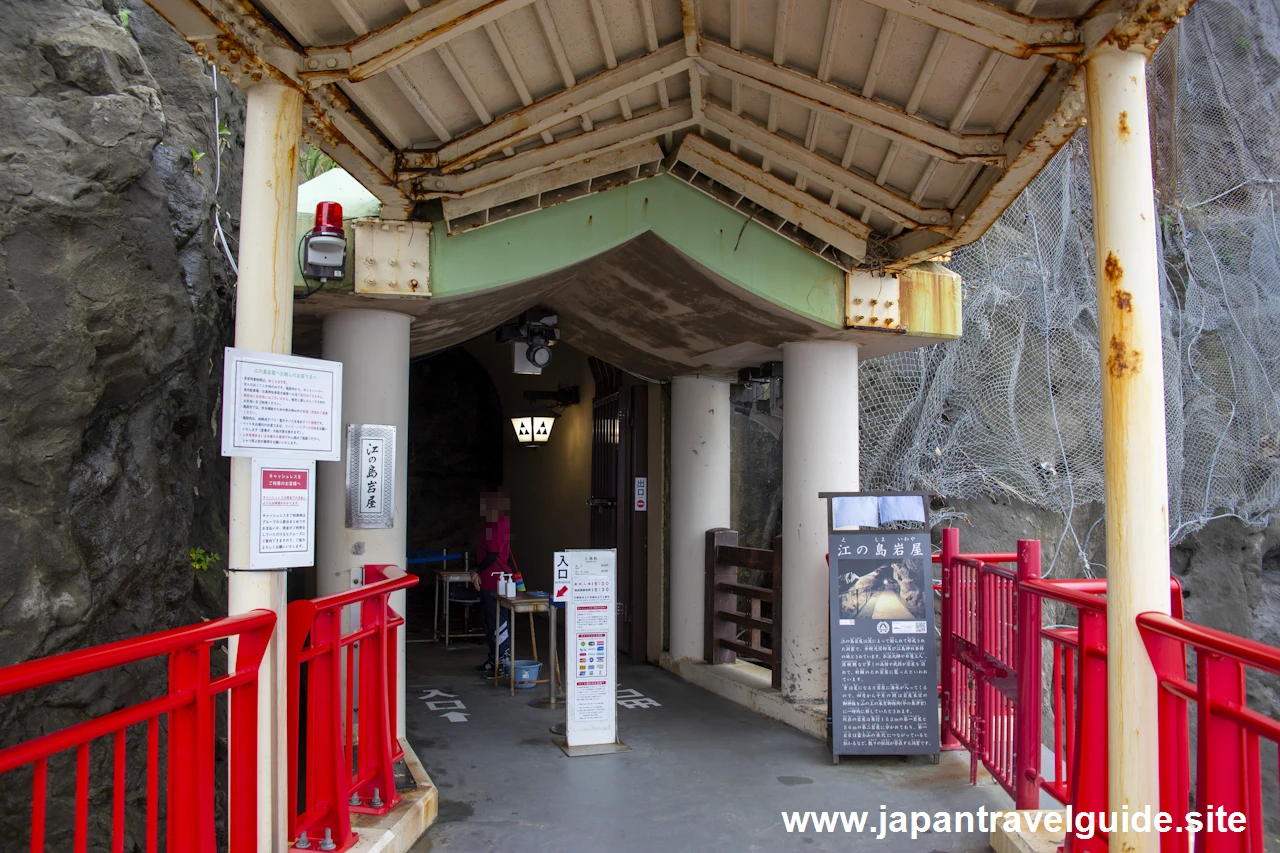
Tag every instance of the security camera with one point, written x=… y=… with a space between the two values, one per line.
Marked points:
x=538 y=354
x=531 y=337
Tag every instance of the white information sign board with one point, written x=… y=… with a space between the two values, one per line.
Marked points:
x=592 y=657
x=562 y=574
x=281 y=406
x=282 y=526
x=642 y=494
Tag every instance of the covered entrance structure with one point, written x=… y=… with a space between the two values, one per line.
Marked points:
x=693 y=188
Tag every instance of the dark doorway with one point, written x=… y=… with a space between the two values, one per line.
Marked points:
x=619 y=455
x=455 y=453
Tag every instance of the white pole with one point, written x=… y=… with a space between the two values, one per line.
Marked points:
x=819 y=454
x=264 y=322
x=373 y=347
x=699 y=500
x=1133 y=424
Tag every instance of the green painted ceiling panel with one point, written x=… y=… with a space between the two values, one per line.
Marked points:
x=707 y=231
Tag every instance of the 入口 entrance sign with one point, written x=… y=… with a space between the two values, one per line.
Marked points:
x=884 y=698
x=561 y=576
x=592 y=657
x=283 y=521
x=281 y=406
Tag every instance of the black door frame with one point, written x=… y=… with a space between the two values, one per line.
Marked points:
x=619 y=454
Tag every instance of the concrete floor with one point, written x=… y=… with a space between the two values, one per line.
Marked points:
x=704 y=774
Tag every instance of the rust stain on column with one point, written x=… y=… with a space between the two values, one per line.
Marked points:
x=1112 y=270
x=1124 y=126
x=1125 y=360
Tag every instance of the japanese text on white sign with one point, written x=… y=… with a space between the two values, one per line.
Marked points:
x=281 y=406
x=592 y=687
x=282 y=525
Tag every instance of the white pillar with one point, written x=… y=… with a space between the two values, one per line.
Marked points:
x=819 y=454
x=1133 y=425
x=699 y=500
x=264 y=322
x=373 y=347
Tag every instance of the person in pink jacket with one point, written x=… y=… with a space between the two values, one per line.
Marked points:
x=493 y=558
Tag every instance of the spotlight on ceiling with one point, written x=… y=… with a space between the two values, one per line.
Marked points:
x=531 y=337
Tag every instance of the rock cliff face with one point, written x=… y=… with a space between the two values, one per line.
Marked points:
x=114 y=308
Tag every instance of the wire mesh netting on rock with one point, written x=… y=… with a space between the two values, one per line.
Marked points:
x=1013 y=408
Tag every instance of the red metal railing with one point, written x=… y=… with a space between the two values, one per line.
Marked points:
x=1227 y=731
x=189 y=705
x=1079 y=703
x=987 y=665
x=992 y=689
x=350 y=734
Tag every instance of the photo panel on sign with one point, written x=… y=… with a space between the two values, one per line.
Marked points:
x=851 y=512
x=898 y=508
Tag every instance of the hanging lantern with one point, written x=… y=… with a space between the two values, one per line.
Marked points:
x=533 y=430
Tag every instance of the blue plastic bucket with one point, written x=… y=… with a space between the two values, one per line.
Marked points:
x=526 y=673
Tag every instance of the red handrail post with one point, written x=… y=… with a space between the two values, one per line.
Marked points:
x=190 y=790
x=1090 y=788
x=1027 y=734
x=1168 y=656
x=242 y=827
x=950 y=548
x=350 y=714
x=375 y=780
x=1221 y=768
x=326 y=798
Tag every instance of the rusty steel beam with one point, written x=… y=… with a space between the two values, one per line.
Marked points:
x=540 y=116
x=1045 y=126
x=817 y=168
x=248 y=49
x=622 y=160
x=689 y=26
x=991 y=26
x=1126 y=25
x=428 y=183
x=774 y=194
x=386 y=47
x=861 y=112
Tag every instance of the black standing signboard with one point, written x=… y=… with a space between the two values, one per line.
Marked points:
x=884 y=685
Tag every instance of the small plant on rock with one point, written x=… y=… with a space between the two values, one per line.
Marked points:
x=196 y=156
x=202 y=559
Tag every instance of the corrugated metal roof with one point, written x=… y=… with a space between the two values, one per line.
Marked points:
x=874 y=132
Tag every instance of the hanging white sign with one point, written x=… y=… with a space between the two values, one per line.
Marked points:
x=281 y=406
x=592 y=657
x=282 y=526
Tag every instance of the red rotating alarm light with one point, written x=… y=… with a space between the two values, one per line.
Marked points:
x=324 y=250
x=328 y=219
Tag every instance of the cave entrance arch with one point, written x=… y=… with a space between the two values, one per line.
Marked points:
x=671 y=295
